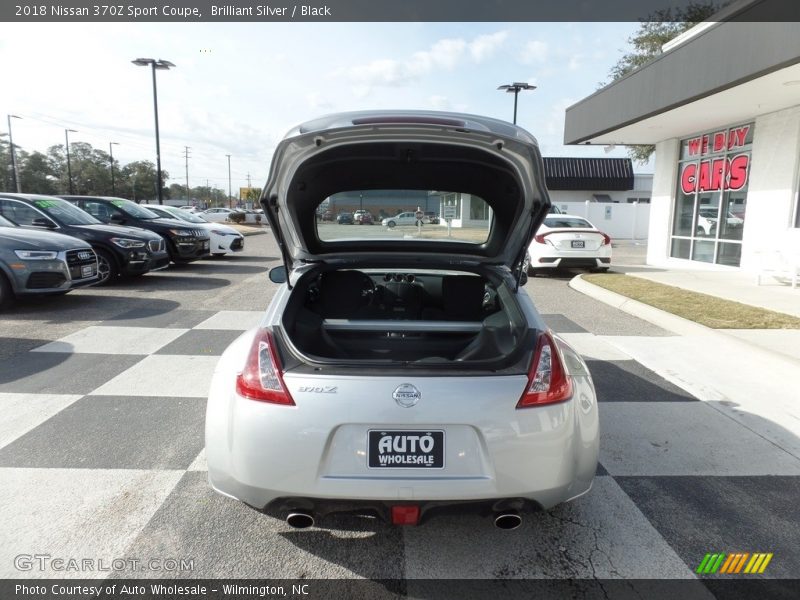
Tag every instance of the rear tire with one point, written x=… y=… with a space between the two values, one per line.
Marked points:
x=6 y=293
x=107 y=270
x=600 y=270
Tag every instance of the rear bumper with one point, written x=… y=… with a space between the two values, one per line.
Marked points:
x=262 y=453
x=557 y=262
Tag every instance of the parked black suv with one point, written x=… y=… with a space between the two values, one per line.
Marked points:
x=184 y=242
x=120 y=250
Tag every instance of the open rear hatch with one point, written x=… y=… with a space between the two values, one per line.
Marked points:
x=482 y=176
x=424 y=152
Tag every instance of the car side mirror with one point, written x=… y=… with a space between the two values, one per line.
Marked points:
x=278 y=274
x=43 y=222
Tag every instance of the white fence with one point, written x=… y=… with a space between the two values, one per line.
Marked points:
x=620 y=221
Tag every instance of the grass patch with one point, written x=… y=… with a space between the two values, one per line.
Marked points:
x=701 y=308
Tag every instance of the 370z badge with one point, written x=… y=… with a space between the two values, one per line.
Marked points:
x=405 y=449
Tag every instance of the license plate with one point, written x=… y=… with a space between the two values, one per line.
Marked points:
x=578 y=244
x=422 y=449
x=87 y=270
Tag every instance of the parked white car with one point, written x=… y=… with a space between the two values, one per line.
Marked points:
x=567 y=241
x=217 y=215
x=224 y=238
x=404 y=218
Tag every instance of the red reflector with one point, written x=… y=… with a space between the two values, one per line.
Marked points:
x=407 y=514
x=262 y=378
x=548 y=381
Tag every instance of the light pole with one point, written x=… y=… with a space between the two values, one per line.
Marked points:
x=14 y=171
x=111 y=154
x=516 y=88
x=161 y=65
x=230 y=196
x=69 y=166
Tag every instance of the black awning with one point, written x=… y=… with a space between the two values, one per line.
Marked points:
x=601 y=174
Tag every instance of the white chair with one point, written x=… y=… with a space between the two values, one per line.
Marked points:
x=784 y=261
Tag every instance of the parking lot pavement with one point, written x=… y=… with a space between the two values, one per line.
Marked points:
x=102 y=457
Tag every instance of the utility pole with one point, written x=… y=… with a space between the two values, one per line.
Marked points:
x=111 y=160
x=230 y=196
x=14 y=169
x=186 y=156
x=69 y=165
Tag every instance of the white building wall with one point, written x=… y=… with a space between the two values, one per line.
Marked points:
x=661 y=202
x=620 y=221
x=773 y=183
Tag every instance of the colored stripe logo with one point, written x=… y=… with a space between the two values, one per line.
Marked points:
x=734 y=563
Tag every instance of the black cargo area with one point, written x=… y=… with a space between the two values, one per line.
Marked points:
x=423 y=317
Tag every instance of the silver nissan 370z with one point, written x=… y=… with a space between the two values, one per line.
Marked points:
x=402 y=372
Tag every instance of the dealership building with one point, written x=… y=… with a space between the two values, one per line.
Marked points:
x=721 y=104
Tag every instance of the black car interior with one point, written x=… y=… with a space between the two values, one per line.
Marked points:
x=407 y=317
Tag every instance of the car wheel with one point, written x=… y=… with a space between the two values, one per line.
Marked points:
x=217 y=254
x=106 y=267
x=6 y=293
x=391 y=224
x=600 y=270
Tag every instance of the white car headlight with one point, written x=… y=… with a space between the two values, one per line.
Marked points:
x=127 y=243
x=36 y=254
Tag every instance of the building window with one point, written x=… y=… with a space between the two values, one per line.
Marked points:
x=711 y=196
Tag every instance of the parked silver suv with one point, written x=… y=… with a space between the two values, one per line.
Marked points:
x=41 y=262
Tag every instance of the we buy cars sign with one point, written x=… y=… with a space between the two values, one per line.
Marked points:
x=728 y=172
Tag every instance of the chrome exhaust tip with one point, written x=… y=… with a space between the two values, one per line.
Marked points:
x=507 y=521
x=300 y=520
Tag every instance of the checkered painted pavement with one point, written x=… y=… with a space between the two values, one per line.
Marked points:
x=101 y=456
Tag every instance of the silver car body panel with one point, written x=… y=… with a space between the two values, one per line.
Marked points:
x=258 y=452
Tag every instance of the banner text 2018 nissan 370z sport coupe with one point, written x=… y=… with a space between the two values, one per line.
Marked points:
x=403 y=372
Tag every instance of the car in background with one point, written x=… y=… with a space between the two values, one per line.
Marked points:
x=431 y=218
x=357 y=214
x=707 y=220
x=381 y=380
x=217 y=215
x=328 y=216
x=224 y=238
x=363 y=218
x=128 y=251
x=184 y=243
x=404 y=218
x=42 y=262
x=567 y=241
x=345 y=218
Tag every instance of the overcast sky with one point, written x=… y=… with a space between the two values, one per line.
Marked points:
x=238 y=88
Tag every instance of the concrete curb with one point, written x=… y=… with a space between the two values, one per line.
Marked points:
x=248 y=231
x=670 y=322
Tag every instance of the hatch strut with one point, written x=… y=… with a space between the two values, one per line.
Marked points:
x=271 y=212
x=521 y=255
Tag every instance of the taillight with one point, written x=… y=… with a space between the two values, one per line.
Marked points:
x=539 y=238
x=261 y=378
x=548 y=381
x=606 y=239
